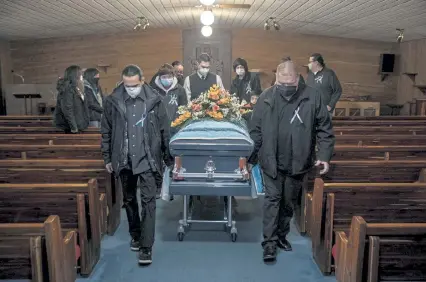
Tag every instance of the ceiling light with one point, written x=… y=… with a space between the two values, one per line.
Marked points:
x=271 y=22
x=207 y=18
x=206 y=31
x=276 y=25
x=266 y=26
x=400 y=36
x=207 y=2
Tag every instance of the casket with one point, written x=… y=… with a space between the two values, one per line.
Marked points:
x=211 y=159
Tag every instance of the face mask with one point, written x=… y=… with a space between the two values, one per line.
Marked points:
x=166 y=82
x=203 y=71
x=287 y=91
x=240 y=72
x=133 y=91
x=310 y=66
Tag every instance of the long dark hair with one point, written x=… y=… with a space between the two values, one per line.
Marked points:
x=72 y=78
x=89 y=76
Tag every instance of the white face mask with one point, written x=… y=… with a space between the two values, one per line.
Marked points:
x=203 y=71
x=133 y=91
x=310 y=66
x=240 y=72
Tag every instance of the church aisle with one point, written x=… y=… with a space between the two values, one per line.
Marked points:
x=206 y=254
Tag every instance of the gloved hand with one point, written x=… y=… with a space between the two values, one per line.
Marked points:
x=109 y=168
x=324 y=164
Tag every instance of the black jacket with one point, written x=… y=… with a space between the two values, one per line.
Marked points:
x=172 y=98
x=156 y=130
x=327 y=84
x=315 y=129
x=72 y=111
x=95 y=109
x=246 y=86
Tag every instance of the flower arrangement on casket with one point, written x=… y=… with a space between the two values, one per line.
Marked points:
x=216 y=104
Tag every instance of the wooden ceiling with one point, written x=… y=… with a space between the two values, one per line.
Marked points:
x=362 y=19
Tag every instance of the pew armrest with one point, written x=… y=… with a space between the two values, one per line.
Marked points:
x=340 y=255
x=70 y=256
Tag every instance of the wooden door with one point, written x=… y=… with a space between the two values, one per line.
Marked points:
x=218 y=46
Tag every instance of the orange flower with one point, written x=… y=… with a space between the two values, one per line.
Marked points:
x=213 y=96
x=223 y=101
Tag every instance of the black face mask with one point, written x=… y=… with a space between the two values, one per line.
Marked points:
x=286 y=91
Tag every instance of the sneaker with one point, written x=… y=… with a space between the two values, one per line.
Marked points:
x=145 y=256
x=134 y=245
x=269 y=253
x=284 y=244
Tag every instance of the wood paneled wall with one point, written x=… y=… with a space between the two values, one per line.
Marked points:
x=356 y=62
x=412 y=81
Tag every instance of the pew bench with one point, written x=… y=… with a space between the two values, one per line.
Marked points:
x=67 y=171
x=377 y=130
x=50 y=152
x=37 y=251
x=26 y=123
x=392 y=152
x=376 y=252
x=18 y=117
x=77 y=205
x=334 y=205
x=355 y=171
x=40 y=130
x=374 y=140
x=51 y=139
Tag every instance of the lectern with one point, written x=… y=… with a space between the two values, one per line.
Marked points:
x=25 y=97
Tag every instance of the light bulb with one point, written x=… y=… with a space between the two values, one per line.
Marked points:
x=207 y=18
x=206 y=30
x=207 y=2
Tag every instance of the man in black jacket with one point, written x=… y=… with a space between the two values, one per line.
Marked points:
x=135 y=141
x=325 y=80
x=288 y=120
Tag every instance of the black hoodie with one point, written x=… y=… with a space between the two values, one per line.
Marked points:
x=72 y=110
x=248 y=85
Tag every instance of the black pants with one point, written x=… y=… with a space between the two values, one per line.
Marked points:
x=280 y=197
x=141 y=227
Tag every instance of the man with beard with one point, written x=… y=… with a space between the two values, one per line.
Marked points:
x=202 y=80
x=135 y=142
x=288 y=120
x=325 y=80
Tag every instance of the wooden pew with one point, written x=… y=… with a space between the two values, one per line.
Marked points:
x=377 y=118
x=67 y=171
x=39 y=130
x=355 y=171
x=374 y=140
x=51 y=139
x=14 y=151
x=334 y=204
x=12 y=117
x=377 y=130
x=382 y=251
x=26 y=123
x=342 y=152
x=37 y=251
x=78 y=206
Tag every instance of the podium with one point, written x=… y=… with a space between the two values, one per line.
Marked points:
x=28 y=96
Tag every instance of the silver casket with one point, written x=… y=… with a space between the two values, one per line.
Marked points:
x=211 y=159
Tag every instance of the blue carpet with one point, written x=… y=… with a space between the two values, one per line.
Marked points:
x=207 y=253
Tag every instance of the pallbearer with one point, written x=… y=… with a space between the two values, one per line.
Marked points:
x=288 y=119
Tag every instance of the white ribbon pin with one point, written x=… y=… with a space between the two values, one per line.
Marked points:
x=296 y=115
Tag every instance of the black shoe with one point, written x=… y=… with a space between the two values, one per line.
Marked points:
x=284 y=244
x=145 y=256
x=269 y=253
x=134 y=245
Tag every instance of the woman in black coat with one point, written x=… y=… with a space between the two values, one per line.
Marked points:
x=245 y=83
x=72 y=111
x=94 y=96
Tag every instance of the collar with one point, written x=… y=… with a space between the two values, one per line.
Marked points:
x=315 y=73
x=202 y=77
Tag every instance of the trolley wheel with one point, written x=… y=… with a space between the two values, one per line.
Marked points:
x=180 y=236
x=234 y=237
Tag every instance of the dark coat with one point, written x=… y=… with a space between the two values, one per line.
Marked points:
x=71 y=112
x=95 y=109
x=316 y=129
x=250 y=84
x=156 y=130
